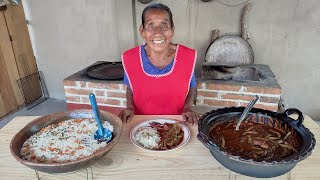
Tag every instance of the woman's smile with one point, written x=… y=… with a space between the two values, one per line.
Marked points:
x=158 y=41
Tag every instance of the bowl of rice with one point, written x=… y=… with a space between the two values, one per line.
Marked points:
x=64 y=142
x=160 y=135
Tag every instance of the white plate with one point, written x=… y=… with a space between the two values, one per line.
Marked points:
x=186 y=135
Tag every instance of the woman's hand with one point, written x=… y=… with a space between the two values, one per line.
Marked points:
x=190 y=116
x=126 y=114
x=187 y=114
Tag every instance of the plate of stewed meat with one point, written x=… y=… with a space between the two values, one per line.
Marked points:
x=160 y=135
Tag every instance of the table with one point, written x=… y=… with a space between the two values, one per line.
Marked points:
x=126 y=161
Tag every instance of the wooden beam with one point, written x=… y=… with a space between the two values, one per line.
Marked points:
x=244 y=21
x=9 y=60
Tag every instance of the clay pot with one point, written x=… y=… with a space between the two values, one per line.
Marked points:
x=250 y=167
x=35 y=126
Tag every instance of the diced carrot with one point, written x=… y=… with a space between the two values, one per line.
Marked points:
x=79 y=147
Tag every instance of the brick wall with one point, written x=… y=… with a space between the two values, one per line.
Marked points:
x=111 y=95
x=107 y=94
x=218 y=94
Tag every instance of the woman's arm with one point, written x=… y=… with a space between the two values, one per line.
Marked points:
x=187 y=114
x=127 y=114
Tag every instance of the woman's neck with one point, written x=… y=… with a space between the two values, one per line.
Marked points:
x=162 y=58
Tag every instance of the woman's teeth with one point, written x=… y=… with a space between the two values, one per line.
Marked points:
x=158 y=41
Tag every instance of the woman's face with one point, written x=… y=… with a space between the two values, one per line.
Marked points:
x=157 y=31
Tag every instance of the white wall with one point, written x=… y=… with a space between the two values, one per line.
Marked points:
x=286 y=36
x=70 y=35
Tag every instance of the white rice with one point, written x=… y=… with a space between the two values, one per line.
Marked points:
x=148 y=137
x=67 y=141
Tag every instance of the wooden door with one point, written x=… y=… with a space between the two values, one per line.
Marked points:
x=7 y=97
x=16 y=60
x=23 y=52
x=10 y=96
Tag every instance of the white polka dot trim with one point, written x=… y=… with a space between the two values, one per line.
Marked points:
x=160 y=75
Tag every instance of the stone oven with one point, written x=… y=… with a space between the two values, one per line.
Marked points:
x=211 y=93
x=110 y=94
x=224 y=91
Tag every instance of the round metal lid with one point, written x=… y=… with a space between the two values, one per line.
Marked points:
x=106 y=71
x=229 y=51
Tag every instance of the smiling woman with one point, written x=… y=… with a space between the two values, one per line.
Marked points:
x=159 y=71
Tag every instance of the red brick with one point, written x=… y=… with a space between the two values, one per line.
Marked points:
x=236 y=97
x=83 y=84
x=122 y=87
x=200 y=85
x=269 y=99
x=113 y=86
x=116 y=94
x=262 y=90
x=262 y=106
x=108 y=86
x=78 y=91
x=69 y=83
x=73 y=98
x=213 y=102
x=85 y=99
x=109 y=101
x=223 y=87
x=99 y=92
x=207 y=94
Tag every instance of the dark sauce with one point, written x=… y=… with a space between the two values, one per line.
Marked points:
x=260 y=142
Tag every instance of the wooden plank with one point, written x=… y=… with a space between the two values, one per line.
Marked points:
x=3 y=110
x=9 y=59
x=23 y=52
x=6 y=89
x=21 y=43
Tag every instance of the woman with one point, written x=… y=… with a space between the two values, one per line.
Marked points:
x=159 y=75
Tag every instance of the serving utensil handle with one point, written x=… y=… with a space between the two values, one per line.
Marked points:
x=96 y=112
x=247 y=110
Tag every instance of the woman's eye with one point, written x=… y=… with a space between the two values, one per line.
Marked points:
x=165 y=27
x=150 y=27
x=161 y=27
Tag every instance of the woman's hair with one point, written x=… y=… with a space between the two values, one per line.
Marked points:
x=157 y=6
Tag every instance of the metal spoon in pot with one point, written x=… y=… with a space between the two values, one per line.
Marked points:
x=102 y=134
x=246 y=111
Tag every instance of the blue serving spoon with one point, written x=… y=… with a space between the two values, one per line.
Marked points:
x=102 y=134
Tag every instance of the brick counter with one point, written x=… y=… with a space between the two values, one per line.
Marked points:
x=110 y=95
x=220 y=94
